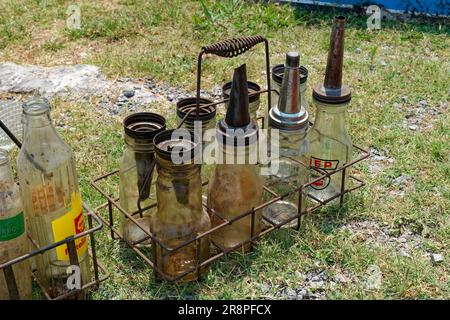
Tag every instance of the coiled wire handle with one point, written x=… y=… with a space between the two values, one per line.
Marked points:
x=228 y=49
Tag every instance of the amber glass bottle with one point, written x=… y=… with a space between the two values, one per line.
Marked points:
x=236 y=185
x=179 y=217
x=51 y=197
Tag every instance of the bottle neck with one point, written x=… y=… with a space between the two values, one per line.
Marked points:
x=139 y=145
x=170 y=170
x=37 y=121
x=330 y=118
x=6 y=175
x=230 y=154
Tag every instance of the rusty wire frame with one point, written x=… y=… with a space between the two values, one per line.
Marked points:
x=112 y=203
x=228 y=48
x=100 y=272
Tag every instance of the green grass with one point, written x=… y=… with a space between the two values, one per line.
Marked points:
x=134 y=38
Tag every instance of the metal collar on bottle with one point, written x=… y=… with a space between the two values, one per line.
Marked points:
x=144 y=125
x=177 y=144
x=205 y=115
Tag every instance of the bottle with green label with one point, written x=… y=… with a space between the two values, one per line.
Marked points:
x=13 y=236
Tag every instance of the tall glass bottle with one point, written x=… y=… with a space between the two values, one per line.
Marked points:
x=13 y=236
x=330 y=144
x=51 y=197
x=138 y=157
x=291 y=165
x=180 y=216
x=236 y=185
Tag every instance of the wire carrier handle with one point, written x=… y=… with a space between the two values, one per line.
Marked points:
x=231 y=48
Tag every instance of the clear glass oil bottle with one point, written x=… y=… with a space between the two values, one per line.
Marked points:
x=330 y=144
x=13 y=233
x=137 y=160
x=180 y=216
x=51 y=197
x=290 y=120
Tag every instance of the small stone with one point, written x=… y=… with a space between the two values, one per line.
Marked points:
x=374 y=168
x=358 y=50
x=317 y=284
x=401 y=179
x=291 y=294
x=264 y=287
x=217 y=91
x=423 y=103
x=340 y=278
x=413 y=127
x=302 y=292
x=437 y=258
x=315 y=279
x=128 y=93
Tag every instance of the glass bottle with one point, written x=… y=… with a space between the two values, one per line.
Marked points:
x=13 y=236
x=289 y=154
x=207 y=119
x=51 y=197
x=138 y=158
x=180 y=216
x=254 y=101
x=236 y=185
x=330 y=144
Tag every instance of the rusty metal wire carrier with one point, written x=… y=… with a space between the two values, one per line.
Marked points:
x=228 y=48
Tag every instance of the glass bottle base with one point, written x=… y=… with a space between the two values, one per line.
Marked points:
x=280 y=212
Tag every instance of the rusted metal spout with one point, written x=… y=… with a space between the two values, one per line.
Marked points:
x=332 y=90
x=238 y=114
x=238 y=124
x=333 y=73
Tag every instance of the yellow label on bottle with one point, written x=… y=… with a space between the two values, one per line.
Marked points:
x=72 y=223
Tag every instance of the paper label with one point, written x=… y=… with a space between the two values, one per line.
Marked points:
x=12 y=228
x=72 y=223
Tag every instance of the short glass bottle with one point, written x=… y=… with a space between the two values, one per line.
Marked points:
x=13 y=233
x=180 y=217
x=138 y=159
x=51 y=197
